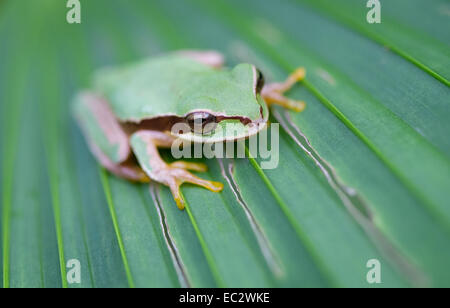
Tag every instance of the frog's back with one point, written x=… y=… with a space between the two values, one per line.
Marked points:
x=149 y=88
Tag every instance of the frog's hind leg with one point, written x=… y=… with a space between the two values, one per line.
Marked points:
x=105 y=137
x=272 y=93
x=209 y=57
x=145 y=144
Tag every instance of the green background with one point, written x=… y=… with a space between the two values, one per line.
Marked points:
x=364 y=171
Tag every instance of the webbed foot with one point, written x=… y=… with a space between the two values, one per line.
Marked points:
x=272 y=93
x=175 y=176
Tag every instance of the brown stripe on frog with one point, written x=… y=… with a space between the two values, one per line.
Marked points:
x=108 y=124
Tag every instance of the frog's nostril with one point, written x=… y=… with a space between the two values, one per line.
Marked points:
x=201 y=122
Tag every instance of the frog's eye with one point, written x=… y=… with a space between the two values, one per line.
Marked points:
x=201 y=122
x=259 y=81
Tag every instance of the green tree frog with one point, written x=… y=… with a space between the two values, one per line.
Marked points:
x=129 y=112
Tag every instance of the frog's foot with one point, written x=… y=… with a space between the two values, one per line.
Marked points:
x=174 y=177
x=145 y=146
x=272 y=93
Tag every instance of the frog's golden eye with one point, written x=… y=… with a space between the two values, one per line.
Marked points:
x=201 y=122
x=259 y=81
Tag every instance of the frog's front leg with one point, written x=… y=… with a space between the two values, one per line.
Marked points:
x=145 y=144
x=272 y=93
x=105 y=137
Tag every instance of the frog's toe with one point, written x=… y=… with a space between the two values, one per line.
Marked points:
x=299 y=74
x=276 y=98
x=182 y=176
x=297 y=106
x=188 y=177
x=179 y=176
x=176 y=193
x=199 y=167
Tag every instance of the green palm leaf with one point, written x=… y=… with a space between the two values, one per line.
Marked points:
x=363 y=172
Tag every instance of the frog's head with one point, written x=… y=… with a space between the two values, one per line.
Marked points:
x=223 y=105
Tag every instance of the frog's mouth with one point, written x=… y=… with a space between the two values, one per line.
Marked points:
x=228 y=128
